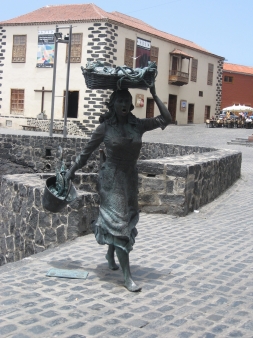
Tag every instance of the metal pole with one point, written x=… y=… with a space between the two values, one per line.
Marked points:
x=53 y=85
x=65 y=131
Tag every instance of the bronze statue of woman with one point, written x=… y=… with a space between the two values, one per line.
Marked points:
x=121 y=133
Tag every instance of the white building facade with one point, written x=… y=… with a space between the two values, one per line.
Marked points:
x=189 y=78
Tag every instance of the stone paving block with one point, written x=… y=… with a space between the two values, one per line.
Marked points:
x=195 y=272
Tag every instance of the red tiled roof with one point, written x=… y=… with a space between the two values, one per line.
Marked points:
x=138 y=24
x=90 y=12
x=59 y=13
x=180 y=52
x=229 y=67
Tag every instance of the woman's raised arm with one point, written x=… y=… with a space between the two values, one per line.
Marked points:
x=161 y=106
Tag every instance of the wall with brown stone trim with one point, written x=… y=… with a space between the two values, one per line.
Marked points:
x=219 y=86
x=102 y=46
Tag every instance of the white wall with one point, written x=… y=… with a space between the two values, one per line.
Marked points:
x=189 y=92
x=27 y=76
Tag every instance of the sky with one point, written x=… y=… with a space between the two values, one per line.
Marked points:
x=223 y=27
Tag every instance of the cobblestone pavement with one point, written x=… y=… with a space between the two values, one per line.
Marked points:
x=195 y=271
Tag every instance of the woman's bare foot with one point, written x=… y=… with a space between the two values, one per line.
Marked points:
x=111 y=263
x=131 y=286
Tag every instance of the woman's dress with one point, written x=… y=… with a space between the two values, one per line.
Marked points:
x=118 y=178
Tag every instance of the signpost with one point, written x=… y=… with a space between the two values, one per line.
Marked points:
x=58 y=39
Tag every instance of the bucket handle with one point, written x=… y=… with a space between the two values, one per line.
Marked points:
x=70 y=185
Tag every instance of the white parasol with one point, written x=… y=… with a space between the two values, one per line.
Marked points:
x=238 y=108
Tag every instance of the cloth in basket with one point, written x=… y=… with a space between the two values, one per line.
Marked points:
x=98 y=76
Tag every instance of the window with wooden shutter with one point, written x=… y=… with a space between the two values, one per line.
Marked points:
x=210 y=74
x=19 y=48
x=175 y=61
x=17 y=101
x=154 y=54
x=129 y=53
x=194 y=70
x=76 y=48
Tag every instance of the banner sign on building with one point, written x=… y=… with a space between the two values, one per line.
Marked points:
x=45 y=53
x=142 y=53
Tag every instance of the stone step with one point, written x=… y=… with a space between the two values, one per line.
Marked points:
x=243 y=143
x=87 y=132
x=239 y=141
x=231 y=142
x=80 y=125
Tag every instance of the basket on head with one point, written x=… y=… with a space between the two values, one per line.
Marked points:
x=107 y=81
x=98 y=76
x=53 y=203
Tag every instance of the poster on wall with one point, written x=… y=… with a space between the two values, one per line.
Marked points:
x=183 y=105
x=142 y=53
x=45 y=53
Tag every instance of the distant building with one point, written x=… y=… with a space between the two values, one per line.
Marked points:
x=189 y=78
x=237 y=85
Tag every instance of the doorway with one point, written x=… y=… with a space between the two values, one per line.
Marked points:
x=73 y=99
x=190 y=113
x=150 y=108
x=207 y=113
x=173 y=107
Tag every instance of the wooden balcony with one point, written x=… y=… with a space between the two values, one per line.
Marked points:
x=178 y=78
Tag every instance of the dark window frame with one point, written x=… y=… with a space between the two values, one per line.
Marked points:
x=194 y=70
x=154 y=53
x=17 y=104
x=76 y=48
x=227 y=77
x=19 y=48
x=129 y=53
x=210 y=74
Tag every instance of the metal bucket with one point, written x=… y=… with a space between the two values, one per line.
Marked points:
x=53 y=203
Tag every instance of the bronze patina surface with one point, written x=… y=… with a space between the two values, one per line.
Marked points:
x=121 y=132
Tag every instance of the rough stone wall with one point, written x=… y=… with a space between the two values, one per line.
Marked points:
x=173 y=179
x=211 y=176
x=2 y=52
x=26 y=228
x=38 y=152
x=73 y=127
x=179 y=185
x=219 y=86
x=44 y=125
x=172 y=185
x=102 y=46
x=151 y=150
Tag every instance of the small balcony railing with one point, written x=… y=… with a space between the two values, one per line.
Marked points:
x=178 y=78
